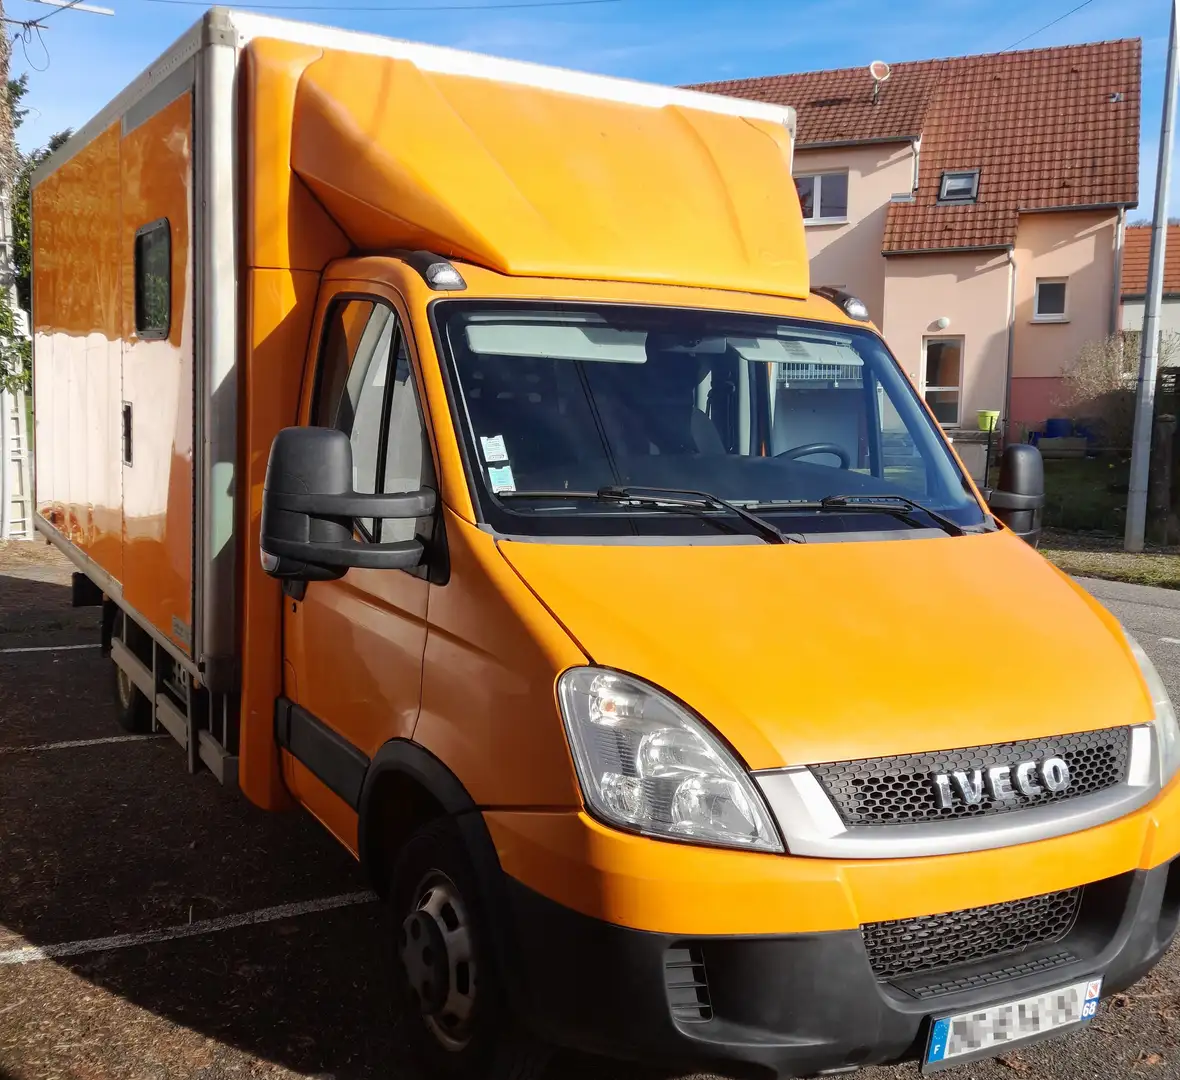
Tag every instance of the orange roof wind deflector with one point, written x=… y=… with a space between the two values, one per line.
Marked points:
x=530 y=181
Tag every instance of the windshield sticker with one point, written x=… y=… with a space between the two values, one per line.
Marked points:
x=501 y=479
x=493 y=448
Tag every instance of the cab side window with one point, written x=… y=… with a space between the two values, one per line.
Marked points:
x=408 y=465
x=380 y=415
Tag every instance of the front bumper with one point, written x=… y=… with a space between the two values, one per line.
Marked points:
x=796 y=1004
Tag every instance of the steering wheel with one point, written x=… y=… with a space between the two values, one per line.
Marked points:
x=807 y=449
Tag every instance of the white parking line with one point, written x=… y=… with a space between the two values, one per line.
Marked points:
x=70 y=744
x=28 y=954
x=50 y=648
x=1170 y=640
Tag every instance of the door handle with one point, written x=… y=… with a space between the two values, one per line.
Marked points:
x=126 y=432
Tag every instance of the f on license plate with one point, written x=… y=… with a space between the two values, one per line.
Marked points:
x=992 y=1030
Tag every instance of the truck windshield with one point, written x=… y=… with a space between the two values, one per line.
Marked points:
x=773 y=413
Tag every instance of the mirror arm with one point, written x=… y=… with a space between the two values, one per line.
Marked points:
x=402 y=555
x=414 y=504
x=1008 y=500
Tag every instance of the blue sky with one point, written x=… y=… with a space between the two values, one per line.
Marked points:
x=79 y=61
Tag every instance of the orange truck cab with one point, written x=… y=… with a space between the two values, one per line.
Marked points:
x=458 y=450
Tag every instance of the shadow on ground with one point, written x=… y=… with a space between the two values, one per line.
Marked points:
x=118 y=838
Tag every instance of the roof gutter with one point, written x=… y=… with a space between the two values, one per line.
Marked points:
x=1076 y=207
x=834 y=144
x=888 y=252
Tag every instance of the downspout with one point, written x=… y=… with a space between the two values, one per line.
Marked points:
x=1011 y=346
x=1116 y=292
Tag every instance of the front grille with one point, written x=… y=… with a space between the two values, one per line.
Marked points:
x=904 y=947
x=688 y=985
x=941 y=986
x=900 y=790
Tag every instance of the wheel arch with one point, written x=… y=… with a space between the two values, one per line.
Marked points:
x=406 y=787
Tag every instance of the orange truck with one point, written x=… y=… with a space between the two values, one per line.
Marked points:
x=458 y=449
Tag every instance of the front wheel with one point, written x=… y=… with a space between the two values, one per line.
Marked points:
x=451 y=997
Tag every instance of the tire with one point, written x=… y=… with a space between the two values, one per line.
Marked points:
x=132 y=709
x=452 y=1006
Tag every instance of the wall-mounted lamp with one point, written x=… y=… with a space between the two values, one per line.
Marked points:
x=943 y=323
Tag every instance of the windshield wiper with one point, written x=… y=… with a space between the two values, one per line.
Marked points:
x=677 y=497
x=898 y=505
x=668 y=498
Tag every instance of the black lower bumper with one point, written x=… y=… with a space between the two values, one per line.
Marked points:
x=796 y=1004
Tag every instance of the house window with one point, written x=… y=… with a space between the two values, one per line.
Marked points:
x=1049 y=305
x=942 y=377
x=959 y=187
x=823 y=197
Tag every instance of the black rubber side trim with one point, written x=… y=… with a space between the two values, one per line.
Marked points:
x=329 y=756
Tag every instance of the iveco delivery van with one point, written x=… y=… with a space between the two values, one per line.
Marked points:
x=458 y=450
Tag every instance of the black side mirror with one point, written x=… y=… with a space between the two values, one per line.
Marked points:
x=308 y=509
x=1019 y=497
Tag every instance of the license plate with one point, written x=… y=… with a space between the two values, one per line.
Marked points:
x=982 y=1032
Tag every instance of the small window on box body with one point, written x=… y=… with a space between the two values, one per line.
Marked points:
x=1050 y=300
x=959 y=187
x=153 y=280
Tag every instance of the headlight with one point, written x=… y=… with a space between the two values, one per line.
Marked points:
x=646 y=764
x=1166 y=729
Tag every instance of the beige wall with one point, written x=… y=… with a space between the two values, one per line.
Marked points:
x=1132 y=318
x=971 y=290
x=1079 y=246
x=850 y=255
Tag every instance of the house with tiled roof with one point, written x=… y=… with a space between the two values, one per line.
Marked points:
x=977 y=205
x=1133 y=286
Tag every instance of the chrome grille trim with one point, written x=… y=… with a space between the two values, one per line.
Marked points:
x=811 y=825
x=897 y=790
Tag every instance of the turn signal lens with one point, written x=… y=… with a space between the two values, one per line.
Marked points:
x=1167 y=731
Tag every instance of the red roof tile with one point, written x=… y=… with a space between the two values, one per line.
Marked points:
x=1137 y=254
x=1047 y=128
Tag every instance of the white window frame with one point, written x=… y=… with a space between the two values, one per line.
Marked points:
x=935 y=339
x=1050 y=317
x=817 y=180
x=954 y=174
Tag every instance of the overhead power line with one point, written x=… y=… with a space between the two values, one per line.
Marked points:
x=404 y=8
x=1060 y=18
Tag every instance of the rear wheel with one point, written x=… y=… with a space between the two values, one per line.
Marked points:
x=452 y=1000
x=132 y=708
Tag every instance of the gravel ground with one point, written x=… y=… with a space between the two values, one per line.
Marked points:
x=117 y=838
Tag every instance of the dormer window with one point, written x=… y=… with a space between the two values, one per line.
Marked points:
x=959 y=187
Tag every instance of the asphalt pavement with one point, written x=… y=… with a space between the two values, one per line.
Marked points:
x=155 y=926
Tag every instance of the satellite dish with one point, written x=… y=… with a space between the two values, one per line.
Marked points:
x=879 y=71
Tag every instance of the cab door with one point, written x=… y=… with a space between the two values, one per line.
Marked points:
x=353 y=647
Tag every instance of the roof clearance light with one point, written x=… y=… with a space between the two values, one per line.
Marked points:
x=444 y=277
x=855 y=309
